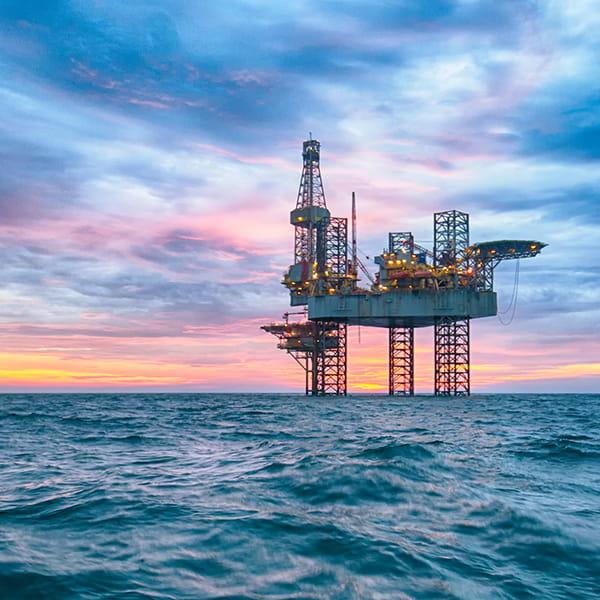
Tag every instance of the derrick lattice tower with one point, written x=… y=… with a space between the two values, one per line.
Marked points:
x=310 y=217
x=320 y=267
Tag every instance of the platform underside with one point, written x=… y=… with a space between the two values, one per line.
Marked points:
x=417 y=308
x=387 y=322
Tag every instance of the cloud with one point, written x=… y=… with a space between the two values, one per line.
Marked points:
x=151 y=156
x=577 y=140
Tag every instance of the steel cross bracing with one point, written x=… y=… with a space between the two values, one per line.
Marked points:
x=329 y=363
x=311 y=191
x=450 y=238
x=319 y=347
x=401 y=361
x=401 y=242
x=484 y=257
x=336 y=253
x=452 y=356
x=309 y=234
x=484 y=275
x=309 y=243
x=305 y=243
x=451 y=334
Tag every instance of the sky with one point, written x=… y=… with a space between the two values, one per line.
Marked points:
x=151 y=153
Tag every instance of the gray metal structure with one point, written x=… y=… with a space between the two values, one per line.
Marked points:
x=413 y=288
x=452 y=339
x=452 y=364
x=401 y=361
x=320 y=267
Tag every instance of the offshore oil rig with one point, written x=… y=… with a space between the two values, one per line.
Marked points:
x=414 y=287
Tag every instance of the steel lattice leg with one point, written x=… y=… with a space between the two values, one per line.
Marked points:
x=452 y=357
x=401 y=361
x=329 y=364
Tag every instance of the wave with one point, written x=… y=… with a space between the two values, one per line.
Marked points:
x=243 y=497
x=560 y=447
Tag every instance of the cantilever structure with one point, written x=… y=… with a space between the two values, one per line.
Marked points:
x=414 y=287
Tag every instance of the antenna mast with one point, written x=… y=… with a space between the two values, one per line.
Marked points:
x=354 y=252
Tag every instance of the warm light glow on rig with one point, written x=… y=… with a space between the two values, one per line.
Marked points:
x=414 y=288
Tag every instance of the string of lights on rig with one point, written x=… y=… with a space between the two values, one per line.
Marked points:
x=414 y=287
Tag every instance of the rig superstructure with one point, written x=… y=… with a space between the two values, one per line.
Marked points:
x=414 y=287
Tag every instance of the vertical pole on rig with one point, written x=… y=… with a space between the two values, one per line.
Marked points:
x=354 y=263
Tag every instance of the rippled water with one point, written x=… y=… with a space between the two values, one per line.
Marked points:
x=270 y=496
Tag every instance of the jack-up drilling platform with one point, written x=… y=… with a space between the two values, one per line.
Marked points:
x=415 y=287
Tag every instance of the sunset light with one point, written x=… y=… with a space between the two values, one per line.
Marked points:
x=151 y=163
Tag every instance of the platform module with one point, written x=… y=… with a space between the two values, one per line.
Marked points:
x=414 y=287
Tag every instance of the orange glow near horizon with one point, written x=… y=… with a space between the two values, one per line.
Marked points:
x=33 y=370
x=240 y=357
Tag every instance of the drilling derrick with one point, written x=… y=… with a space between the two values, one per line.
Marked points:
x=310 y=219
x=320 y=267
x=414 y=287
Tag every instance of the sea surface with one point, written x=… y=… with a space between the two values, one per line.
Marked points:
x=198 y=496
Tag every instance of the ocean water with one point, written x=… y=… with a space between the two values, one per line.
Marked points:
x=184 y=496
